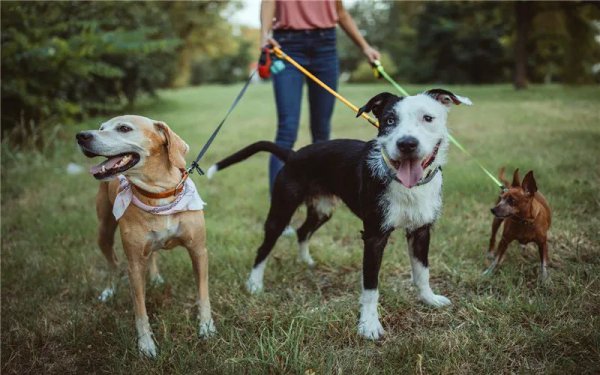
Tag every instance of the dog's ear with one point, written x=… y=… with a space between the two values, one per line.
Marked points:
x=516 y=179
x=446 y=97
x=376 y=104
x=176 y=147
x=529 y=184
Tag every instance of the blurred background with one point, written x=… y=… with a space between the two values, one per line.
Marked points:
x=63 y=61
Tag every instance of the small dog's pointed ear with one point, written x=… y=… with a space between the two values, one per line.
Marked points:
x=446 y=97
x=176 y=147
x=516 y=179
x=529 y=184
x=376 y=104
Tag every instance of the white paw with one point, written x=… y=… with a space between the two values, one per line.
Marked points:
x=371 y=329
x=254 y=286
x=157 y=280
x=106 y=294
x=435 y=300
x=146 y=346
x=207 y=329
x=306 y=259
x=488 y=272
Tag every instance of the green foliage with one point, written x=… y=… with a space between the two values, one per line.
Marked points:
x=460 y=42
x=65 y=60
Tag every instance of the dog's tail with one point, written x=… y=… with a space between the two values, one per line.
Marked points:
x=248 y=151
x=502 y=178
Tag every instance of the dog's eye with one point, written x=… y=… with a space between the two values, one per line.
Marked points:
x=390 y=121
x=427 y=118
x=510 y=201
x=124 y=129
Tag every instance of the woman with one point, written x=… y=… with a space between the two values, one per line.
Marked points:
x=305 y=30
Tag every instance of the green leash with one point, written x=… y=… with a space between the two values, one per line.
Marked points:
x=380 y=72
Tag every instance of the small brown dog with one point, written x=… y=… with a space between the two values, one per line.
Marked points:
x=146 y=193
x=526 y=216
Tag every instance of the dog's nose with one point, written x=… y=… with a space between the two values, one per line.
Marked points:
x=83 y=137
x=493 y=210
x=407 y=144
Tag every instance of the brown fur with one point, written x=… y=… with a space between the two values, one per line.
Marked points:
x=526 y=216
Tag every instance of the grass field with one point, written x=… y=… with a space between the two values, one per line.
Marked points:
x=305 y=321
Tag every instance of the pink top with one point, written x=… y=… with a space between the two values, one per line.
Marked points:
x=305 y=15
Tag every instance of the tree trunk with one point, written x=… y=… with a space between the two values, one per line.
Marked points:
x=523 y=17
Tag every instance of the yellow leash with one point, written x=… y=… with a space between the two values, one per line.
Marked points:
x=282 y=55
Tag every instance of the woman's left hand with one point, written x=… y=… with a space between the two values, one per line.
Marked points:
x=371 y=53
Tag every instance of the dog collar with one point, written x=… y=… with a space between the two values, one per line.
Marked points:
x=430 y=175
x=164 y=194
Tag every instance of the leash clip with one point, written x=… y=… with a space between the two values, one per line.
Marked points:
x=195 y=167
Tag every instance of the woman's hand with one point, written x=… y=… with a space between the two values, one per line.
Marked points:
x=267 y=39
x=371 y=53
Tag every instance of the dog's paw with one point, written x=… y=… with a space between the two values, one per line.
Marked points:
x=146 y=346
x=435 y=300
x=307 y=259
x=157 y=280
x=254 y=286
x=207 y=329
x=371 y=329
x=489 y=271
x=106 y=294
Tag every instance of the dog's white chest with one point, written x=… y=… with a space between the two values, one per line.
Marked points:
x=412 y=208
x=166 y=237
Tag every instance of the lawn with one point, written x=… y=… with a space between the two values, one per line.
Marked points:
x=305 y=321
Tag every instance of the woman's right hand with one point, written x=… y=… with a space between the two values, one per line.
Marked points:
x=268 y=40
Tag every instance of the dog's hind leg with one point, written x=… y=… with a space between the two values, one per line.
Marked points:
x=495 y=226
x=319 y=211
x=286 y=198
x=199 y=256
x=106 y=238
x=155 y=277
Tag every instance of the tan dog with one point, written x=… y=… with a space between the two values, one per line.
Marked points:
x=151 y=157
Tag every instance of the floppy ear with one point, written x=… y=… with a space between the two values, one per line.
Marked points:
x=176 y=147
x=376 y=104
x=529 y=184
x=516 y=179
x=446 y=97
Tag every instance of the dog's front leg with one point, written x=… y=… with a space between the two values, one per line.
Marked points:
x=137 y=275
x=418 y=249
x=374 y=245
x=199 y=257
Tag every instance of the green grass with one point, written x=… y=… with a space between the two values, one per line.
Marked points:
x=52 y=271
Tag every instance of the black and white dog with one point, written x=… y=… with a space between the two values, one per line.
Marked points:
x=393 y=181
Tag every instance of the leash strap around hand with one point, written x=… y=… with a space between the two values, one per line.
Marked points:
x=194 y=165
x=379 y=68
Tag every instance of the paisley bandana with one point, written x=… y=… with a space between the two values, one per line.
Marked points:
x=187 y=200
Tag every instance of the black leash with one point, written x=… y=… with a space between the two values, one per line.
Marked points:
x=194 y=165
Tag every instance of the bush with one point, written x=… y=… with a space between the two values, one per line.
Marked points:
x=65 y=60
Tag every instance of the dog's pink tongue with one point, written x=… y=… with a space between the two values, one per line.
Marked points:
x=409 y=172
x=108 y=164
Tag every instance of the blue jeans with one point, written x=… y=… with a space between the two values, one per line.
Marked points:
x=316 y=51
